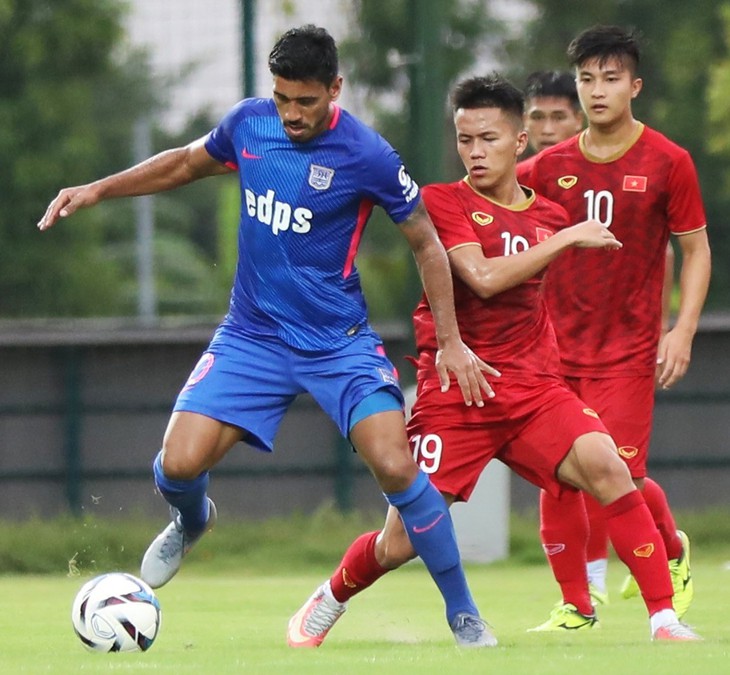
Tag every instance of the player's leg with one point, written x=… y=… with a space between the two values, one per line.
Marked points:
x=359 y=568
x=593 y=465
x=596 y=551
x=626 y=406
x=597 y=543
x=563 y=533
x=193 y=444
x=381 y=441
x=373 y=420
x=556 y=418
x=222 y=397
x=418 y=521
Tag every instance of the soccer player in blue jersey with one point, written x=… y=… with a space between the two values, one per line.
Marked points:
x=310 y=174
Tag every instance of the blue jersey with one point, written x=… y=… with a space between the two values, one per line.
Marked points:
x=303 y=210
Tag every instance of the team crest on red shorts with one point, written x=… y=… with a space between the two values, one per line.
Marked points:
x=628 y=451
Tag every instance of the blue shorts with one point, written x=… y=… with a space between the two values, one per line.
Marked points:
x=249 y=381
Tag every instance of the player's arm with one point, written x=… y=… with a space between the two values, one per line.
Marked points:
x=167 y=170
x=433 y=266
x=694 y=279
x=488 y=276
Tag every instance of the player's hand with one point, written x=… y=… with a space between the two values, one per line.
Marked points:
x=455 y=357
x=66 y=202
x=592 y=234
x=675 y=351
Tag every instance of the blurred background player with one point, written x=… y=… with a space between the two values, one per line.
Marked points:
x=607 y=310
x=310 y=174
x=499 y=238
x=552 y=109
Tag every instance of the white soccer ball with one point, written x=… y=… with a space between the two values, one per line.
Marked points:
x=116 y=612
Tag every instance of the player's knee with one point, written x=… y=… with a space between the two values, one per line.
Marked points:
x=394 y=471
x=609 y=477
x=178 y=464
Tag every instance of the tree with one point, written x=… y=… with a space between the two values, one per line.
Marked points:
x=70 y=94
x=386 y=59
x=718 y=106
x=58 y=125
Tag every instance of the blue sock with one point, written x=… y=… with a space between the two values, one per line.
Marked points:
x=428 y=524
x=188 y=496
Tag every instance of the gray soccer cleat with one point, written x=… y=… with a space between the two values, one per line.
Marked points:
x=164 y=555
x=472 y=631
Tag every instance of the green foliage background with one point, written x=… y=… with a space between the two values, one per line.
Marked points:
x=71 y=90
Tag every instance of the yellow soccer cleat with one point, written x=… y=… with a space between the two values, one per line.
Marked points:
x=597 y=597
x=679 y=571
x=682 y=578
x=567 y=617
x=629 y=588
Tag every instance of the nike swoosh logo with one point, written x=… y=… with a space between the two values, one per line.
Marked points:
x=426 y=528
x=247 y=155
x=295 y=635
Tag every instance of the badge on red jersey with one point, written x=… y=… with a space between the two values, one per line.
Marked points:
x=567 y=182
x=481 y=218
x=634 y=184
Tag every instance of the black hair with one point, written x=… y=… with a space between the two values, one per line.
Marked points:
x=605 y=43
x=557 y=83
x=305 y=53
x=490 y=91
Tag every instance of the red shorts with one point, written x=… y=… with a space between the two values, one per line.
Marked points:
x=530 y=425
x=626 y=406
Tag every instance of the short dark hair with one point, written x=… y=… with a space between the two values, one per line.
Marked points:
x=604 y=43
x=557 y=83
x=490 y=91
x=305 y=53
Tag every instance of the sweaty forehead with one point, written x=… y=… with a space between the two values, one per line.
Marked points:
x=479 y=120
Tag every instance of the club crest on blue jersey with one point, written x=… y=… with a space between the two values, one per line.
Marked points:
x=320 y=177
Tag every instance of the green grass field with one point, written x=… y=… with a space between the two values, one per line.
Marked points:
x=227 y=622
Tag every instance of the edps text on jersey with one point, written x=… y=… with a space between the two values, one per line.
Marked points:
x=279 y=216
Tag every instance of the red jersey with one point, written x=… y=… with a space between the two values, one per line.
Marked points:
x=524 y=167
x=511 y=330
x=606 y=305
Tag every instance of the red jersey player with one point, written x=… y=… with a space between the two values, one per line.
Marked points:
x=607 y=308
x=499 y=237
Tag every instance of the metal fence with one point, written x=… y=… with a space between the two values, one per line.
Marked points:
x=83 y=407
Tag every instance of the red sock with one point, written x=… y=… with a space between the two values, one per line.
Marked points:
x=597 y=547
x=658 y=505
x=637 y=542
x=358 y=569
x=564 y=531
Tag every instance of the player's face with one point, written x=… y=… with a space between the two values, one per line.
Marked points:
x=550 y=120
x=304 y=106
x=606 y=91
x=488 y=142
